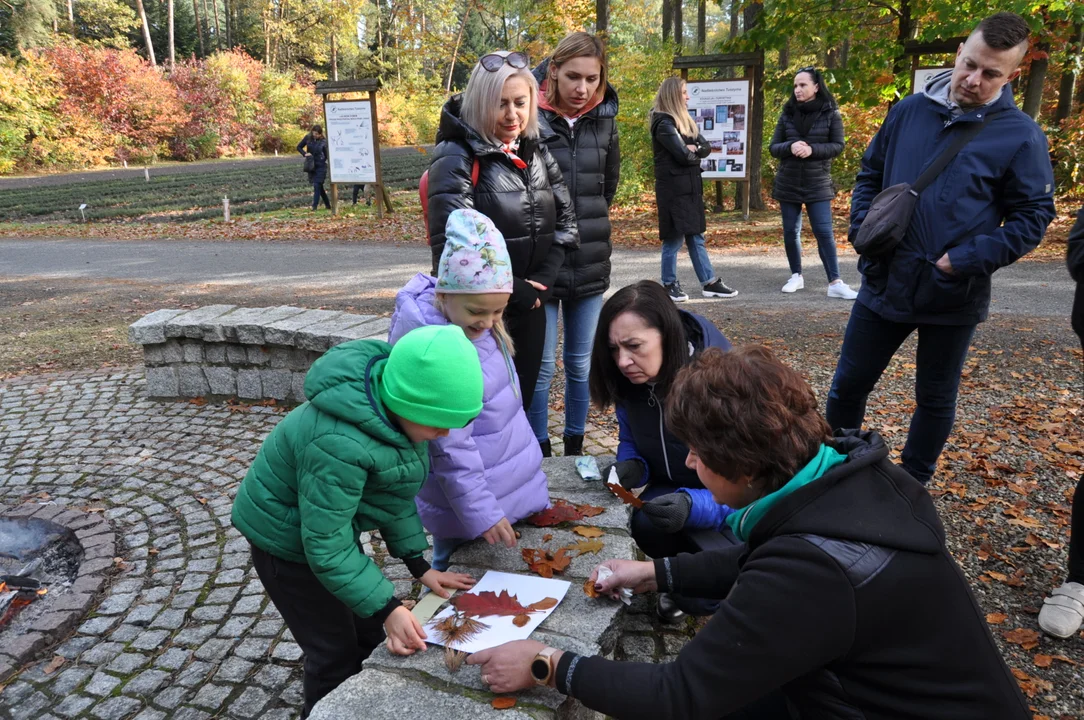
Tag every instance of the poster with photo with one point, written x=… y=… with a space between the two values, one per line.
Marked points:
x=350 y=146
x=922 y=74
x=720 y=109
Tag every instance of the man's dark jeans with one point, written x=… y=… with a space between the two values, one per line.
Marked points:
x=333 y=638
x=868 y=345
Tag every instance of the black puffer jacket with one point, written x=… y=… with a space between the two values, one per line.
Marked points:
x=804 y=180
x=679 y=187
x=589 y=155
x=531 y=207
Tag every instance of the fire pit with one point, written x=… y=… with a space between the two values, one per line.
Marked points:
x=53 y=562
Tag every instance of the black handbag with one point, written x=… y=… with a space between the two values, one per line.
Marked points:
x=890 y=212
x=310 y=164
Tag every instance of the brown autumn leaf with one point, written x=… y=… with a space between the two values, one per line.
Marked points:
x=543 y=604
x=624 y=495
x=561 y=511
x=588 y=531
x=54 y=664
x=453 y=659
x=487 y=603
x=202 y=500
x=586 y=546
x=503 y=702
x=546 y=563
x=1043 y=661
x=1024 y=637
x=589 y=589
x=996 y=618
x=521 y=620
x=547 y=537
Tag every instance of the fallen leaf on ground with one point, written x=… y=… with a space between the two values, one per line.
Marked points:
x=996 y=618
x=563 y=511
x=547 y=537
x=588 y=531
x=503 y=702
x=453 y=659
x=1043 y=661
x=546 y=563
x=54 y=664
x=586 y=546
x=1024 y=637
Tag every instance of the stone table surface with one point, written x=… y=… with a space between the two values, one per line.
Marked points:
x=184 y=628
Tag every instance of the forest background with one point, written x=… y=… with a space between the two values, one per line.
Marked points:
x=92 y=82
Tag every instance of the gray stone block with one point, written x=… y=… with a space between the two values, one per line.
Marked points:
x=188 y=324
x=193 y=352
x=381 y=695
x=236 y=355
x=153 y=355
x=375 y=329
x=248 y=384
x=561 y=475
x=162 y=382
x=318 y=336
x=214 y=352
x=256 y=355
x=222 y=380
x=245 y=325
x=297 y=387
x=480 y=555
x=172 y=352
x=278 y=358
x=282 y=332
x=150 y=329
x=276 y=383
x=302 y=360
x=192 y=381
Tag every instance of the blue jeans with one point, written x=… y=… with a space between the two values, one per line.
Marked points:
x=820 y=218
x=580 y=321
x=868 y=345
x=697 y=253
x=442 y=551
x=318 y=194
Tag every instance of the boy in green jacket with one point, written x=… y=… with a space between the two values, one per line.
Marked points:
x=349 y=460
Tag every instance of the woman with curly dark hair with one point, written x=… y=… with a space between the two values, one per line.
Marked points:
x=843 y=598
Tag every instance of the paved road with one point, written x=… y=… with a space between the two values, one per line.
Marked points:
x=376 y=271
x=288 y=158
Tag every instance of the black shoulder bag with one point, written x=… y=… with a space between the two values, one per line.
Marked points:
x=890 y=212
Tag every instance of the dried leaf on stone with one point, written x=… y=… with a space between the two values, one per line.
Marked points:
x=543 y=604
x=1043 y=661
x=589 y=589
x=453 y=659
x=588 y=531
x=1024 y=637
x=547 y=537
x=585 y=546
x=624 y=495
x=521 y=620
x=546 y=563
x=563 y=511
x=996 y=618
x=503 y=703
x=54 y=664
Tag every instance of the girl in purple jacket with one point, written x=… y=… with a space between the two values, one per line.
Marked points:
x=488 y=475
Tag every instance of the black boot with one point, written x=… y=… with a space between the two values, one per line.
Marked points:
x=573 y=445
x=547 y=450
x=667 y=609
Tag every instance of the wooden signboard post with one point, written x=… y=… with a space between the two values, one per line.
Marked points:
x=353 y=137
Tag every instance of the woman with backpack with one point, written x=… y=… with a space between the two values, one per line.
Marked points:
x=808 y=135
x=577 y=121
x=314 y=146
x=679 y=190
x=489 y=157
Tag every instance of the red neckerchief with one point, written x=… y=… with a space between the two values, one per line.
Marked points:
x=510 y=150
x=591 y=105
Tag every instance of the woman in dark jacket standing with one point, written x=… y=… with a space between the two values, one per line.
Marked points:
x=679 y=189
x=808 y=135
x=315 y=145
x=641 y=342
x=494 y=123
x=577 y=121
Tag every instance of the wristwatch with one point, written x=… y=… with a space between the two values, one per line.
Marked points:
x=542 y=666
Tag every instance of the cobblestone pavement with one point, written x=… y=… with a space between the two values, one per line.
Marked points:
x=185 y=630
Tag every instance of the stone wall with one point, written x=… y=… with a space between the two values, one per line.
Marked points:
x=225 y=351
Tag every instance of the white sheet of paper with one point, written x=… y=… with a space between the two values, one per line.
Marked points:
x=612 y=479
x=427 y=606
x=526 y=588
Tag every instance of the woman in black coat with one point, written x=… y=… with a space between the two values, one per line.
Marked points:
x=808 y=135
x=577 y=122
x=1062 y=614
x=679 y=189
x=494 y=123
x=314 y=145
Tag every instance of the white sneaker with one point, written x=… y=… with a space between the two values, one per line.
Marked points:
x=839 y=290
x=1063 y=612
x=795 y=283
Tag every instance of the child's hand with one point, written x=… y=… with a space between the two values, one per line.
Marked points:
x=436 y=581
x=501 y=532
x=405 y=634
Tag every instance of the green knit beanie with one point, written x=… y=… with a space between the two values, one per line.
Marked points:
x=433 y=377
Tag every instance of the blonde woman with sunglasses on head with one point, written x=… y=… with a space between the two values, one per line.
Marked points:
x=489 y=157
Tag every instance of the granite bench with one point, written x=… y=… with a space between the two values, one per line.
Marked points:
x=225 y=351
x=391 y=687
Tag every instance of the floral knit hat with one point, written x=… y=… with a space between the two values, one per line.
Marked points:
x=475 y=259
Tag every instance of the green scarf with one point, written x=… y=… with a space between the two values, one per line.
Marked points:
x=743 y=521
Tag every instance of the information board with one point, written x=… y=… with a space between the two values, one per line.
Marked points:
x=921 y=75
x=350 y=143
x=720 y=109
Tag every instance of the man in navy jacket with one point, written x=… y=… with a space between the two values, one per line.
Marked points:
x=988 y=208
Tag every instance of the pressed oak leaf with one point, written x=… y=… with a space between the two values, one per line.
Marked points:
x=588 y=531
x=546 y=563
x=487 y=603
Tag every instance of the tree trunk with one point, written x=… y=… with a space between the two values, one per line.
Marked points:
x=906 y=31
x=1068 y=75
x=1033 y=95
x=218 y=28
x=207 y=23
x=735 y=7
x=146 y=32
x=71 y=17
x=667 y=19
x=679 y=25
x=755 y=116
x=334 y=59
x=458 y=41
x=199 y=32
x=701 y=26
x=784 y=55
x=602 y=18
x=172 y=44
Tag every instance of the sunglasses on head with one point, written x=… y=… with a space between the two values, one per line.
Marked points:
x=808 y=69
x=493 y=62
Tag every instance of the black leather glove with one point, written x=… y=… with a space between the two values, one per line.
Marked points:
x=669 y=513
x=630 y=473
